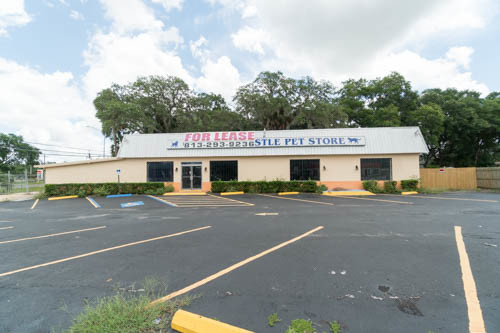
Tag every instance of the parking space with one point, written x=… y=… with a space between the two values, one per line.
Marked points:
x=388 y=264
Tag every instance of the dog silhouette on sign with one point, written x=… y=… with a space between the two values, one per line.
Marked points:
x=353 y=140
x=175 y=144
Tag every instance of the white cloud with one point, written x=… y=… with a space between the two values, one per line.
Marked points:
x=460 y=55
x=170 y=4
x=76 y=15
x=130 y=15
x=251 y=39
x=198 y=48
x=219 y=77
x=443 y=72
x=12 y=14
x=114 y=58
x=46 y=108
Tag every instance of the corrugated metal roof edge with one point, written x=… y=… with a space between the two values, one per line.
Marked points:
x=46 y=166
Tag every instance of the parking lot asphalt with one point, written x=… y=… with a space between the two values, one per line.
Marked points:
x=381 y=263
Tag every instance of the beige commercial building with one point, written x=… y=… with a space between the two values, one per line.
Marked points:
x=338 y=158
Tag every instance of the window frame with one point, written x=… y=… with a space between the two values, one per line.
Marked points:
x=302 y=178
x=214 y=168
x=375 y=177
x=165 y=180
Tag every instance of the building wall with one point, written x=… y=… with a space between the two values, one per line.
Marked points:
x=335 y=170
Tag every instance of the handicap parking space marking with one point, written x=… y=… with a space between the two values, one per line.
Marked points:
x=101 y=251
x=163 y=201
x=295 y=199
x=132 y=204
x=373 y=199
x=205 y=201
x=444 y=198
x=93 y=202
x=50 y=235
x=229 y=199
x=233 y=267
x=476 y=322
x=5 y=228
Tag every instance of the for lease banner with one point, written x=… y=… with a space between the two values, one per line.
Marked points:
x=250 y=139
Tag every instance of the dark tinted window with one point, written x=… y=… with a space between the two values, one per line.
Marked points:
x=376 y=168
x=160 y=171
x=223 y=170
x=304 y=169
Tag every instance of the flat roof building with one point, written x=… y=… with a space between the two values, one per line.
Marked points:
x=337 y=158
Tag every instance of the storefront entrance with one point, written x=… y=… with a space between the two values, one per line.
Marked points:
x=191 y=175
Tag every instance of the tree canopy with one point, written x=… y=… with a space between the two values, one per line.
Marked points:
x=15 y=154
x=461 y=128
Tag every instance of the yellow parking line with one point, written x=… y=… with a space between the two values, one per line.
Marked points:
x=243 y=202
x=303 y=200
x=35 y=203
x=476 y=323
x=381 y=200
x=3 y=228
x=101 y=251
x=91 y=202
x=51 y=235
x=233 y=267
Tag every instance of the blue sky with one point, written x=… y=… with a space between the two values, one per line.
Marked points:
x=55 y=55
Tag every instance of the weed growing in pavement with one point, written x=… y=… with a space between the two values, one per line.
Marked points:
x=300 y=326
x=334 y=326
x=273 y=319
x=130 y=310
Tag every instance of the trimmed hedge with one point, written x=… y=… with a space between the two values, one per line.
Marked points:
x=409 y=184
x=264 y=186
x=390 y=186
x=83 y=190
x=371 y=186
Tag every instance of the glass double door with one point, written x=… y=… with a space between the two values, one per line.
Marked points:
x=191 y=176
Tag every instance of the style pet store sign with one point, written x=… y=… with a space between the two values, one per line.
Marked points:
x=210 y=140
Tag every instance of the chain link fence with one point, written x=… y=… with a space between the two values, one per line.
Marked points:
x=19 y=183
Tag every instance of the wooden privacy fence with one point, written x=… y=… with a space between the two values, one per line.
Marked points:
x=488 y=177
x=449 y=178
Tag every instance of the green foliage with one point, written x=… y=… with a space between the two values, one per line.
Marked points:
x=169 y=188
x=128 y=312
x=15 y=154
x=409 y=184
x=101 y=189
x=334 y=326
x=390 y=186
x=264 y=186
x=371 y=186
x=300 y=326
x=322 y=188
x=273 y=319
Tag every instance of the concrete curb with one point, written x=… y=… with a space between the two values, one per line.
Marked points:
x=409 y=193
x=347 y=193
x=232 y=193
x=63 y=198
x=288 y=193
x=187 y=322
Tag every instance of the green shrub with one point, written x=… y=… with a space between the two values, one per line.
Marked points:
x=409 y=184
x=371 y=186
x=322 y=188
x=300 y=326
x=169 y=188
x=390 y=186
x=101 y=189
x=264 y=186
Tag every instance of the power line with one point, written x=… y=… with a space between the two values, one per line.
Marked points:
x=46 y=144
x=55 y=152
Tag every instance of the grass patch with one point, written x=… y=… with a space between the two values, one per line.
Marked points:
x=300 y=326
x=273 y=319
x=130 y=310
x=334 y=326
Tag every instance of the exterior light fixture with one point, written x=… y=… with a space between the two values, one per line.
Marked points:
x=205 y=169
x=324 y=167
x=176 y=169
x=357 y=168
